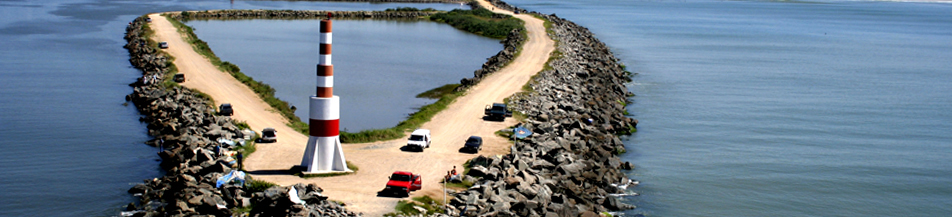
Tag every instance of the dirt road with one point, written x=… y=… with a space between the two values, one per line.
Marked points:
x=376 y=160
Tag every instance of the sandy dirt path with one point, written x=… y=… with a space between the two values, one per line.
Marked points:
x=377 y=160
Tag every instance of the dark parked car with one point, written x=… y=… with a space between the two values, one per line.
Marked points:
x=163 y=45
x=473 y=144
x=179 y=78
x=497 y=111
x=225 y=109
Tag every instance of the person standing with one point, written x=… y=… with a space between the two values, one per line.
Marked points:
x=239 y=159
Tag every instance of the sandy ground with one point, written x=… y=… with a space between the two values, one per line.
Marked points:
x=376 y=161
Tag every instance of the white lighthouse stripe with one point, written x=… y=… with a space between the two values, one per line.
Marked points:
x=325 y=152
x=325 y=59
x=326 y=38
x=325 y=81
x=325 y=108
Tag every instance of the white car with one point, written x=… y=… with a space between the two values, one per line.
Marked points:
x=419 y=139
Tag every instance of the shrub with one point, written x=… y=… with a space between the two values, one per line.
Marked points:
x=480 y=21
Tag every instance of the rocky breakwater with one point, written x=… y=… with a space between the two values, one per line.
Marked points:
x=569 y=165
x=184 y=125
x=292 y=14
x=511 y=45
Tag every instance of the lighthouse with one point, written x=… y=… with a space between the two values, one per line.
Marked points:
x=324 y=153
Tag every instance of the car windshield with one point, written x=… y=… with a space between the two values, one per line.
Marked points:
x=268 y=133
x=396 y=177
x=472 y=140
x=416 y=138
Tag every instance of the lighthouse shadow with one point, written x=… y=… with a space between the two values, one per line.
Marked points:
x=273 y=172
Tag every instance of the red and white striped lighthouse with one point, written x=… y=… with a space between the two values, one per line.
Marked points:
x=324 y=152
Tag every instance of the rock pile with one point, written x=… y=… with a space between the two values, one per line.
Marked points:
x=496 y=62
x=274 y=202
x=293 y=14
x=569 y=166
x=183 y=124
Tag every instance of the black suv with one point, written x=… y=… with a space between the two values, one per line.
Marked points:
x=225 y=109
x=473 y=144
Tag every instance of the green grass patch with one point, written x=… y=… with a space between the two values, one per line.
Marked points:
x=414 y=121
x=480 y=21
x=242 y=125
x=249 y=148
x=254 y=185
x=460 y=185
x=438 y=92
x=406 y=207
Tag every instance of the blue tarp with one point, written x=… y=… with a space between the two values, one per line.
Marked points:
x=235 y=175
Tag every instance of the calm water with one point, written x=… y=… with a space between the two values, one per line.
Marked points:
x=748 y=108
x=783 y=108
x=70 y=147
x=379 y=66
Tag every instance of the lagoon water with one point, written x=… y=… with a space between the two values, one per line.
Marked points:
x=783 y=108
x=747 y=108
x=379 y=65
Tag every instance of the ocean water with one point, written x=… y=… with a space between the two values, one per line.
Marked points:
x=783 y=108
x=379 y=66
x=70 y=146
x=747 y=108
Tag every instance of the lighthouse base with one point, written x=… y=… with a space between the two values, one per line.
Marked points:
x=323 y=155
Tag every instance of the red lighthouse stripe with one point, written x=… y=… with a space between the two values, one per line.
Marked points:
x=325 y=70
x=325 y=49
x=325 y=26
x=325 y=92
x=324 y=128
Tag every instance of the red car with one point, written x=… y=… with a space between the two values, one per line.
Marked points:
x=403 y=183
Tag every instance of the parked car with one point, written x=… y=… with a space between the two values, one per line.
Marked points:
x=148 y=19
x=179 y=77
x=402 y=183
x=419 y=139
x=225 y=109
x=268 y=135
x=163 y=45
x=473 y=144
x=497 y=111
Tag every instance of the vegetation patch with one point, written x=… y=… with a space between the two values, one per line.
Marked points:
x=438 y=92
x=414 y=121
x=254 y=185
x=480 y=21
x=417 y=206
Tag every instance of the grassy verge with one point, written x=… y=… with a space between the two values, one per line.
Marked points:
x=414 y=121
x=254 y=185
x=480 y=21
x=438 y=92
x=407 y=207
